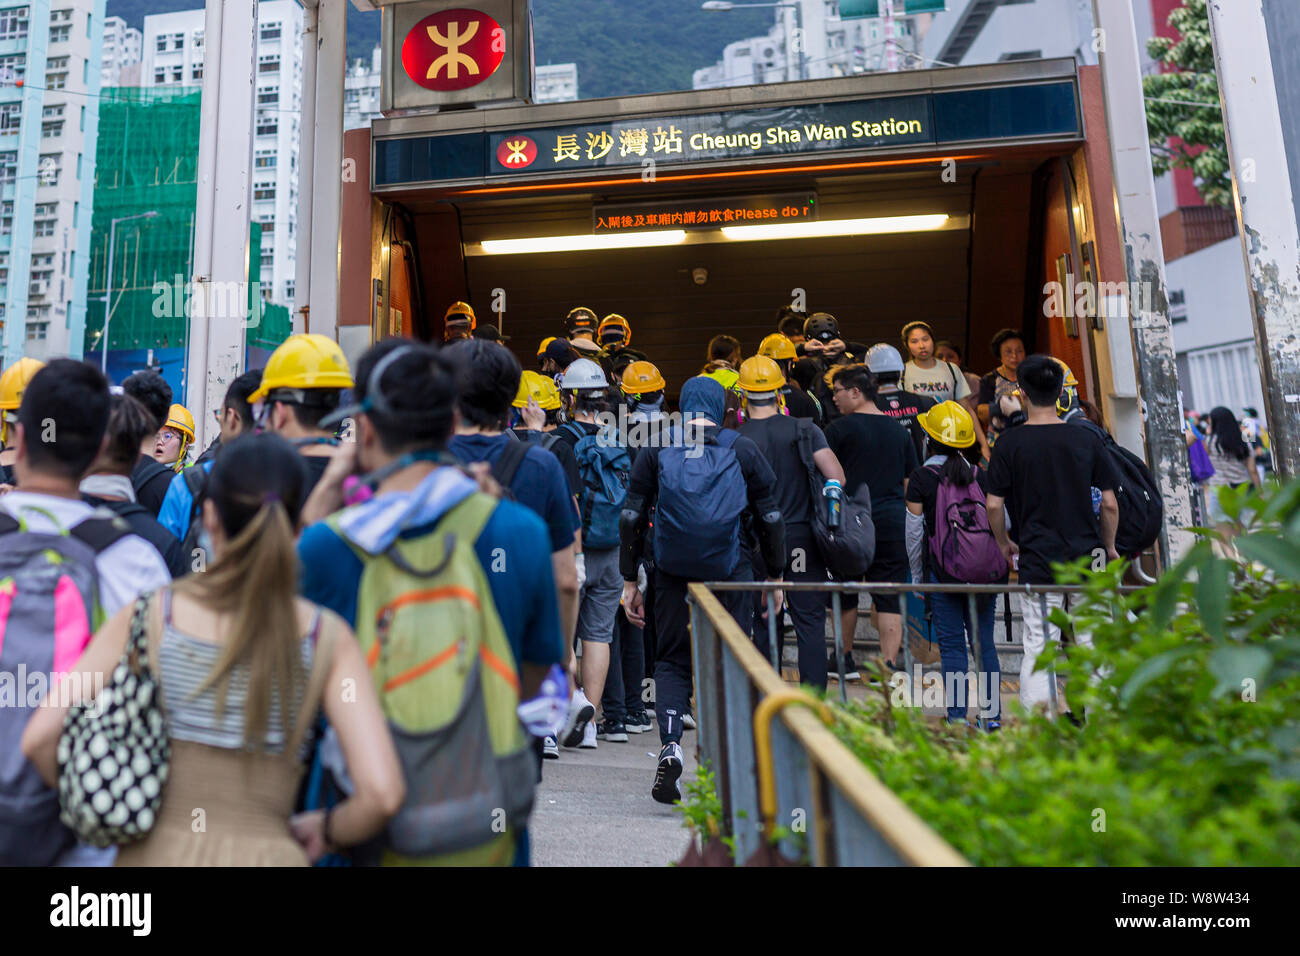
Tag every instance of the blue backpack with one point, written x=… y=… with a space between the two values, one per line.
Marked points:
x=606 y=470
x=702 y=494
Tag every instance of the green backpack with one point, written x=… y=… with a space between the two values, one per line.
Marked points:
x=448 y=684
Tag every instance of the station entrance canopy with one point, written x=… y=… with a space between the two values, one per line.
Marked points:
x=1004 y=104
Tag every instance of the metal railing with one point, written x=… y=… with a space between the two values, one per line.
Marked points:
x=793 y=770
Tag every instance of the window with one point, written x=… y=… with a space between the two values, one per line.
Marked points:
x=270 y=31
x=8 y=170
x=43 y=227
x=264 y=191
x=161 y=44
x=60 y=16
x=13 y=23
x=268 y=96
x=11 y=116
x=160 y=74
x=47 y=171
x=178 y=74
x=197 y=72
x=56 y=81
x=178 y=41
x=36 y=331
x=41 y=209
x=288 y=289
x=61 y=34
x=78 y=167
x=52 y=129
x=13 y=67
x=56 y=63
x=268 y=63
x=265 y=159
x=52 y=112
x=267 y=124
x=83 y=119
x=198 y=39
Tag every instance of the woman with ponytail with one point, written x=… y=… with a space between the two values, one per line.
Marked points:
x=245 y=667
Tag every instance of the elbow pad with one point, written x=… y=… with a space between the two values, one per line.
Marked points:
x=631 y=531
x=771 y=535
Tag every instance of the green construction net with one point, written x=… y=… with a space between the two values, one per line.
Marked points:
x=146 y=161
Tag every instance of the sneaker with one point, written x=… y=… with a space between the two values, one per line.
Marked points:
x=989 y=726
x=896 y=666
x=850 y=669
x=688 y=720
x=666 y=788
x=575 y=725
x=611 y=730
x=638 y=722
x=550 y=749
x=588 y=737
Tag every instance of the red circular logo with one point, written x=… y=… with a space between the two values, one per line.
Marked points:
x=453 y=50
x=516 y=152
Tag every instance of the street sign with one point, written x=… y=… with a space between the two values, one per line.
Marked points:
x=863 y=9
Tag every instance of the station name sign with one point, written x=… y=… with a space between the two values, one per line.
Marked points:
x=886 y=121
x=993 y=114
x=704 y=213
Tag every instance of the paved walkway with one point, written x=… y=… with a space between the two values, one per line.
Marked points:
x=594 y=807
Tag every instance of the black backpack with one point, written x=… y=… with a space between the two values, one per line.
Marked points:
x=848 y=550
x=1141 y=506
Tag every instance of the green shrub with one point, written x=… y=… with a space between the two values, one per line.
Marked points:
x=1190 y=751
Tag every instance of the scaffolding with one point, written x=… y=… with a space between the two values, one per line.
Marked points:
x=147 y=160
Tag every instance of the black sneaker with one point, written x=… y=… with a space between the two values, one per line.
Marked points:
x=611 y=730
x=850 y=668
x=666 y=788
x=638 y=722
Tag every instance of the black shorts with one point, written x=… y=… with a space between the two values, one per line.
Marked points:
x=890 y=564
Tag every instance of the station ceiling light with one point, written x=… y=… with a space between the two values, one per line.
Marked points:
x=617 y=240
x=836 y=227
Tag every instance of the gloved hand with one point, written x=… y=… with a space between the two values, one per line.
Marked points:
x=581 y=561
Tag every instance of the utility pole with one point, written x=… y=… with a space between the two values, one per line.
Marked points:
x=1144 y=265
x=1250 y=91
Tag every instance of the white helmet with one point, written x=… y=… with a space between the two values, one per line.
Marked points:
x=883 y=358
x=583 y=373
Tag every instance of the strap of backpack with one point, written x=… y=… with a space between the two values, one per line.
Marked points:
x=576 y=430
x=953 y=369
x=507 y=464
x=726 y=437
x=9 y=524
x=100 y=531
x=196 y=480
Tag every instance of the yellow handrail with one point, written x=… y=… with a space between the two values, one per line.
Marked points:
x=768 y=708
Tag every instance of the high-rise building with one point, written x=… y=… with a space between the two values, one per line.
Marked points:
x=810 y=41
x=989 y=31
x=555 y=83
x=122 y=47
x=173 y=57
x=48 y=129
x=361 y=91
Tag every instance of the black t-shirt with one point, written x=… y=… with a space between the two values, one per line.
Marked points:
x=147 y=527
x=151 y=479
x=778 y=439
x=876 y=452
x=904 y=406
x=313 y=467
x=1046 y=474
x=560 y=449
x=801 y=405
x=7 y=476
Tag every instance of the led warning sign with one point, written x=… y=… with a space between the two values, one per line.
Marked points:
x=705 y=213
x=453 y=49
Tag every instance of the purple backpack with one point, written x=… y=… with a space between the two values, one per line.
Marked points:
x=1199 y=461
x=962 y=546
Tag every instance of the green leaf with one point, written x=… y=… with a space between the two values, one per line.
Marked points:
x=1233 y=666
x=1271 y=551
x=1212 y=595
x=1149 y=670
x=1165 y=592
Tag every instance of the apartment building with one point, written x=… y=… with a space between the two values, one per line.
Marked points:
x=361 y=90
x=555 y=83
x=173 y=57
x=48 y=128
x=122 y=48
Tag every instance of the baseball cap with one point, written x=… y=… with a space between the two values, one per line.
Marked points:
x=491 y=333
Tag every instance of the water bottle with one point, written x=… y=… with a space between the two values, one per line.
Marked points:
x=832 y=491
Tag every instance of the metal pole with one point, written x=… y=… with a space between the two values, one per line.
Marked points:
x=108 y=296
x=773 y=648
x=1266 y=214
x=327 y=168
x=306 y=165
x=1144 y=263
x=891 y=52
x=837 y=629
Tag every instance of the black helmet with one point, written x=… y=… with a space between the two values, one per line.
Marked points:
x=581 y=319
x=821 y=326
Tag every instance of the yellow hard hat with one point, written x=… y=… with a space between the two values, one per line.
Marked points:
x=760 y=374
x=777 y=346
x=15 y=380
x=179 y=418
x=642 y=377
x=461 y=308
x=306 y=360
x=614 y=321
x=1070 y=380
x=541 y=349
x=540 y=388
x=949 y=423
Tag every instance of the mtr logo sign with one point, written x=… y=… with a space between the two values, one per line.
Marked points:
x=453 y=50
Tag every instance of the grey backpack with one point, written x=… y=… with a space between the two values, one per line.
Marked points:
x=49 y=608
